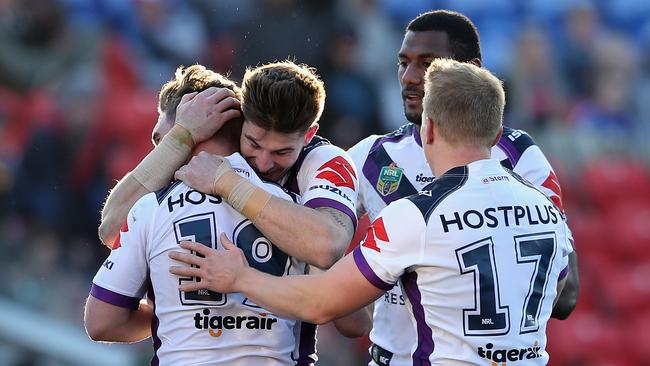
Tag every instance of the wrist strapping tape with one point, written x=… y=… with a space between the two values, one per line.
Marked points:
x=241 y=194
x=157 y=168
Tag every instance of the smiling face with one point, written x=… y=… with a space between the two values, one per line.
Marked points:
x=417 y=51
x=271 y=154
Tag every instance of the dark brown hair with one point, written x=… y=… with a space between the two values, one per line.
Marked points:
x=283 y=97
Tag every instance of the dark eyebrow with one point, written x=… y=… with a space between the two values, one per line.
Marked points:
x=421 y=55
x=250 y=138
x=286 y=149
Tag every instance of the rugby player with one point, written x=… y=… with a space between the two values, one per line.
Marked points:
x=392 y=166
x=199 y=327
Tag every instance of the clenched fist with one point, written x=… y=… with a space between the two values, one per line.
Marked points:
x=200 y=172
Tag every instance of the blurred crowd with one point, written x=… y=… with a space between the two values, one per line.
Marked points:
x=78 y=89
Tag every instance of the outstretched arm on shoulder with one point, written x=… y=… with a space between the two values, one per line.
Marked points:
x=198 y=117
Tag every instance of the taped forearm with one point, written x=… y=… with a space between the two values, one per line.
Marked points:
x=241 y=194
x=157 y=168
x=120 y=200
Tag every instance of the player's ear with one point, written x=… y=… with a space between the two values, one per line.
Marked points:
x=426 y=132
x=499 y=134
x=311 y=132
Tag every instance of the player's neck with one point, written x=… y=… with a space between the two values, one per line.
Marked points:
x=448 y=157
x=217 y=145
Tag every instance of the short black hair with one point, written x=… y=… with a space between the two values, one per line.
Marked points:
x=462 y=33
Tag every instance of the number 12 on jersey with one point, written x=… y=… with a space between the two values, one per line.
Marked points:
x=489 y=316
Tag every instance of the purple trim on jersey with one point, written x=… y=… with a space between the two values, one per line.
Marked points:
x=327 y=202
x=510 y=150
x=114 y=298
x=367 y=272
x=155 y=322
x=416 y=136
x=378 y=157
x=398 y=135
x=563 y=273
x=307 y=346
x=425 y=335
x=371 y=171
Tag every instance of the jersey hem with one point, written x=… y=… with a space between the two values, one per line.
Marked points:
x=330 y=203
x=114 y=298
x=367 y=271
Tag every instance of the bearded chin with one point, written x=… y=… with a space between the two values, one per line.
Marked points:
x=414 y=118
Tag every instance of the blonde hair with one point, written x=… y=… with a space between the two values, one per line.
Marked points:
x=283 y=96
x=464 y=101
x=195 y=78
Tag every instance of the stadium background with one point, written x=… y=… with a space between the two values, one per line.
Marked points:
x=78 y=84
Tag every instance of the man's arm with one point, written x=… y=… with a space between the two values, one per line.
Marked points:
x=323 y=233
x=314 y=298
x=115 y=311
x=568 y=297
x=109 y=323
x=120 y=200
x=316 y=236
x=357 y=324
x=157 y=169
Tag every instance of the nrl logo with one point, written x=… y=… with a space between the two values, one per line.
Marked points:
x=389 y=179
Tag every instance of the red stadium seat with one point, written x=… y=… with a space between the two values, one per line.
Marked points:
x=610 y=181
x=627 y=287
x=628 y=221
x=591 y=296
x=129 y=129
x=118 y=71
x=591 y=235
x=637 y=338
x=585 y=338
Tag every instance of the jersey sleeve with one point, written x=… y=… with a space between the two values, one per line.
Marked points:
x=359 y=153
x=535 y=168
x=328 y=178
x=394 y=243
x=565 y=248
x=122 y=278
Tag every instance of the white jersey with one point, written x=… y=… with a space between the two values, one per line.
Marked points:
x=325 y=176
x=479 y=262
x=201 y=327
x=393 y=166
